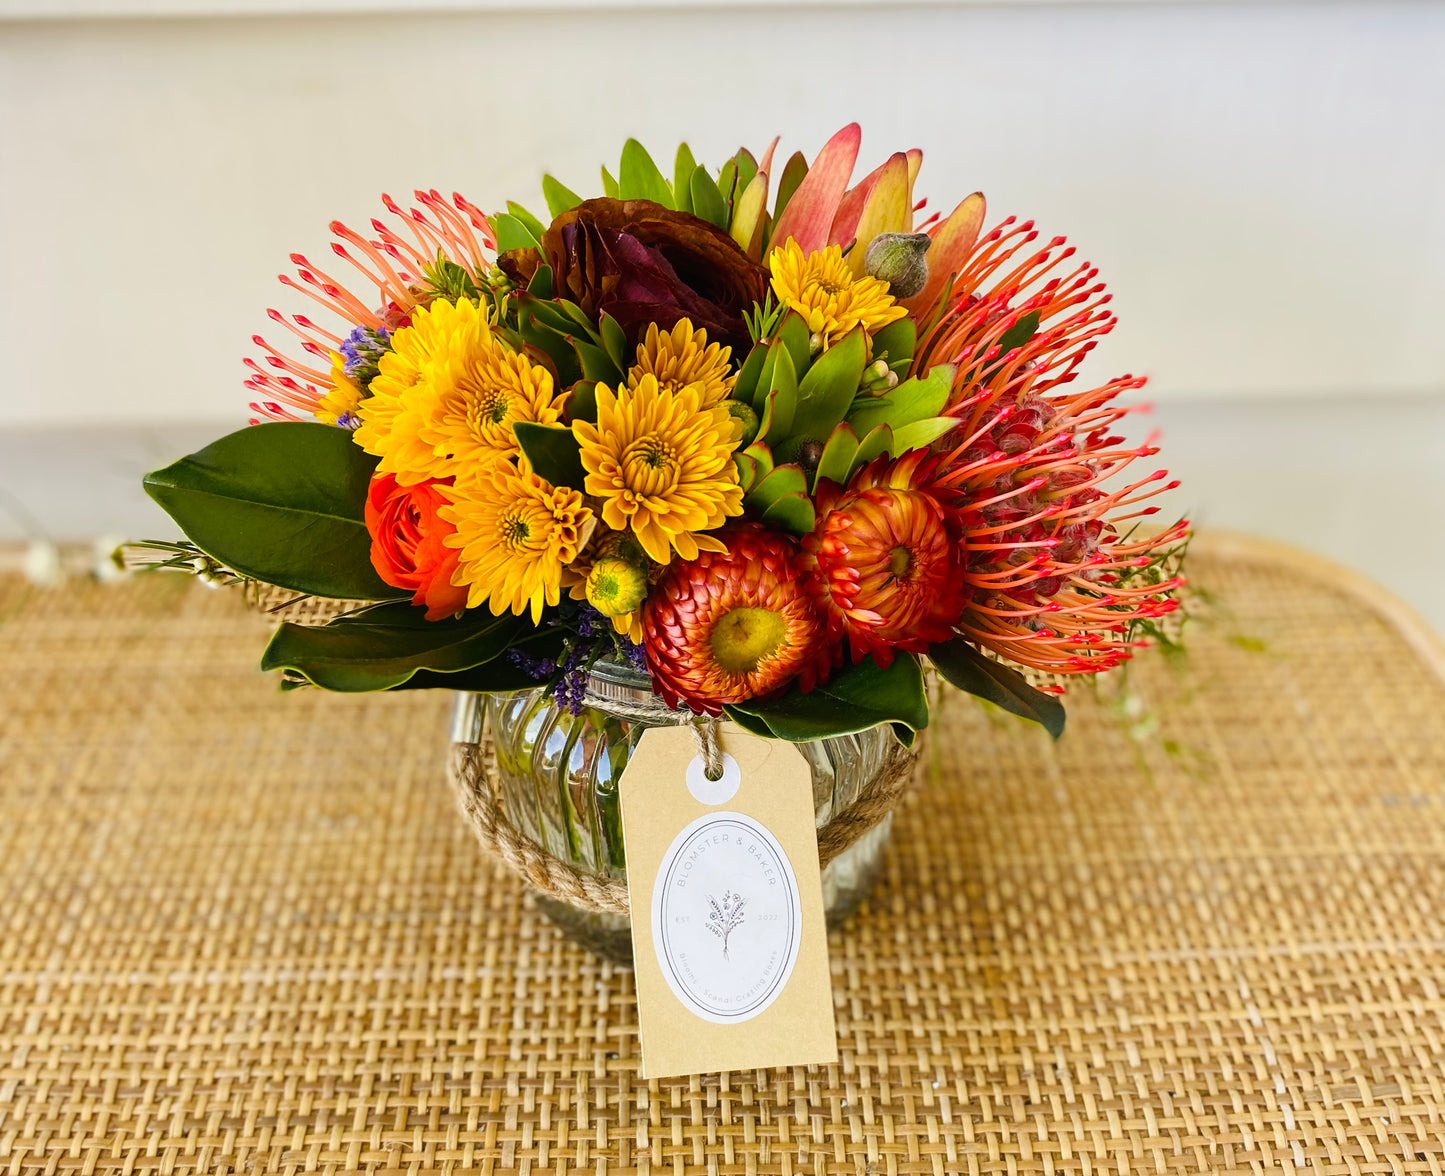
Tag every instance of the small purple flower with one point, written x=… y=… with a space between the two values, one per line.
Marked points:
x=361 y=352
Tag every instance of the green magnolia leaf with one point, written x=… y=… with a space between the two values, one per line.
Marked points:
x=682 y=170
x=974 y=673
x=793 y=172
x=553 y=451
x=559 y=197
x=853 y=699
x=529 y=222
x=382 y=647
x=638 y=178
x=826 y=393
x=497 y=676
x=512 y=233
x=792 y=512
x=282 y=502
x=749 y=723
x=839 y=452
x=609 y=185
x=896 y=341
x=707 y=199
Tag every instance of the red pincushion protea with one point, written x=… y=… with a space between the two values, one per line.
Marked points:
x=1053 y=582
x=884 y=560
x=733 y=625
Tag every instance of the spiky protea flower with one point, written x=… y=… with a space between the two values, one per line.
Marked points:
x=449 y=244
x=884 y=560
x=735 y=624
x=1056 y=578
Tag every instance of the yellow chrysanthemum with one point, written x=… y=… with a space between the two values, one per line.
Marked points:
x=516 y=533
x=469 y=401
x=821 y=288
x=683 y=358
x=661 y=463
x=343 y=399
x=432 y=332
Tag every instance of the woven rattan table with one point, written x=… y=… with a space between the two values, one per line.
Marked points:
x=246 y=932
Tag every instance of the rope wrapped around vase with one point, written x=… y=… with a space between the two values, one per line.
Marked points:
x=470 y=770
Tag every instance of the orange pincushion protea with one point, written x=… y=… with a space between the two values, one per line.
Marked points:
x=884 y=560
x=1057 y=579
x=733 y=625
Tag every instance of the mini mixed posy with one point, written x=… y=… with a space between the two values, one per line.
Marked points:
x=774 y=459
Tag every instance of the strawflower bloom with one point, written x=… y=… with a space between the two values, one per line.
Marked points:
x=733 y=625
x=1056 y=576
x=388 y=285
x=884 y=559
x=662 y=465
x=823 y=290
x=683 y=358
x=515 y=533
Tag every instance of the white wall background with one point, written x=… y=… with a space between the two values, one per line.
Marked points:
x=1263 y=184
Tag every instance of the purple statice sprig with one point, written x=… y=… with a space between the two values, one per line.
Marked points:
x=361 y=353
x=591 y=637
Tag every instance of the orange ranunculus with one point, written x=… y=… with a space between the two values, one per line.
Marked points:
x=406 y=543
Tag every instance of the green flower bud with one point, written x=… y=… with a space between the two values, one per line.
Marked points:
x=745 y=416
x=615 y=587
x=901 y=260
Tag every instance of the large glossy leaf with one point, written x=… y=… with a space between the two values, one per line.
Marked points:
x=971 y=671
x=853 y=699
x=553 y=451
x=282 y=502
x=499 y=675
x=382 y=647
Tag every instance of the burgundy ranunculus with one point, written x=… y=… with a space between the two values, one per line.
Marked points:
x=643 y=263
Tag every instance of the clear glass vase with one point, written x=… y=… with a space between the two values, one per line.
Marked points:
x=558 y=774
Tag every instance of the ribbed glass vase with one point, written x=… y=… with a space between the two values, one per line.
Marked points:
x=558 y=775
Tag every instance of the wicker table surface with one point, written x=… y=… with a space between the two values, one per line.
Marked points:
x=246 y=932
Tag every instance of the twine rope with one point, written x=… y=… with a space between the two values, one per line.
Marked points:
x=470 y=773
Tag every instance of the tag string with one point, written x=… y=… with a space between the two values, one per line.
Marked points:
x=705 y=731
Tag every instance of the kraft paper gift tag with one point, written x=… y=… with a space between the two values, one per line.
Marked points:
x=728 y=938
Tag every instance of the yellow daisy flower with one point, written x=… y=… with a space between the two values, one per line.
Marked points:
x=661 y=463
x=386 y=430
x=469 y=400
x=343 y=399
x=516 y=533
x=681 y=358
x=821 y=288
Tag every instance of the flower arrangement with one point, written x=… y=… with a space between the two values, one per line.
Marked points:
x=773 y=458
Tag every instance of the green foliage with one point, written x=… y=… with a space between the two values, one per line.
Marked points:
x=960 y=664
x=609 y=185
x=896 y=342
x=792 y=512
x=856 y=698
x=614 y=342
x=839 y=453
x=529 y=222
x=827 y=388
x=553 y=451
x=913 y=400
x=638 y=178
x=512 y=233
x=282 y=502
x=444 y=278
x=559 y=197
x=383 y=647
x=682 y=170
x=793 y=172
x=707 y=199
x=785 y=479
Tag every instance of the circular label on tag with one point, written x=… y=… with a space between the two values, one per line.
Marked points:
x=726 y=918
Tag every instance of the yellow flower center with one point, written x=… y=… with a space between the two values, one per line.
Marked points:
x=515 y=530
x=490 y=407
x=900 y=559
x=743 y=637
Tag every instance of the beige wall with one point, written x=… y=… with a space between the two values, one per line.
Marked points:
x=1263 y=184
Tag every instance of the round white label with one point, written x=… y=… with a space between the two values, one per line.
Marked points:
x=726 y=919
